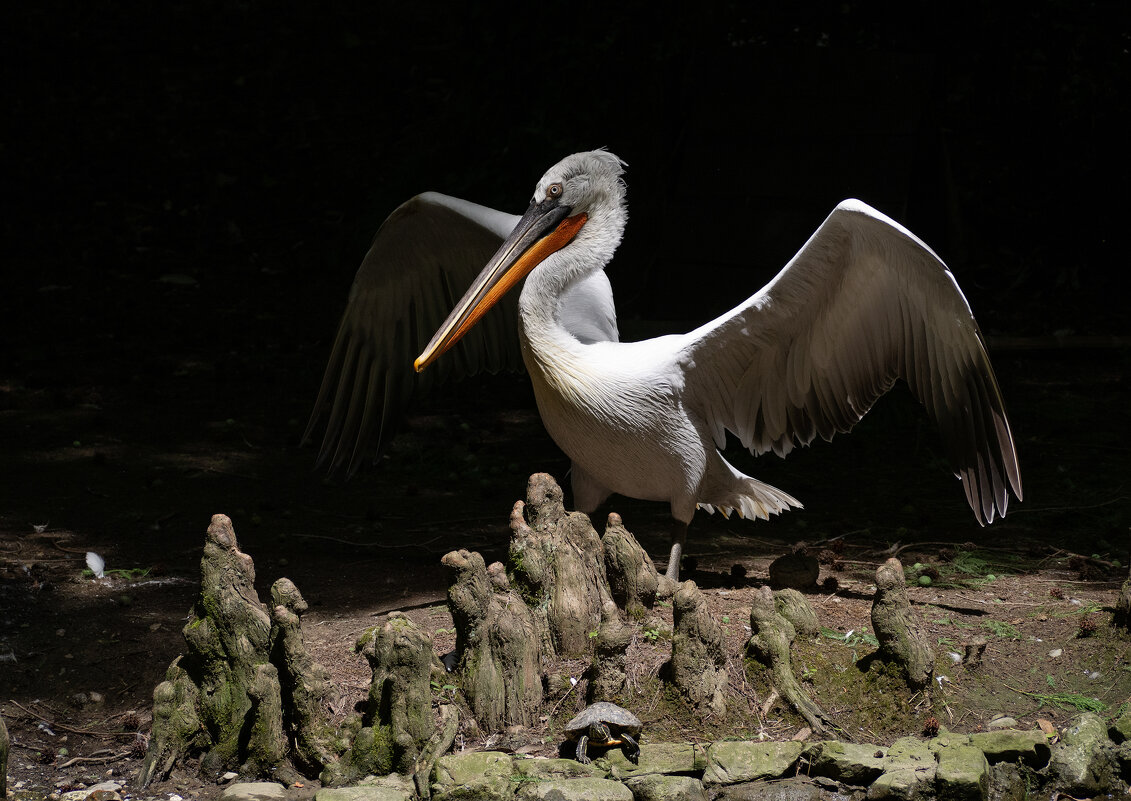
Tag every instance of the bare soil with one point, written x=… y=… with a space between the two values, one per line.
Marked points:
x=91 y=468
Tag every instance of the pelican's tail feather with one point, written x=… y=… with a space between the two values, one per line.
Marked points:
x=752 y=498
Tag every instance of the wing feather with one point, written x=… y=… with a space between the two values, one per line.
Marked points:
x=863 y=304
x=422 y=260
x=423 y=257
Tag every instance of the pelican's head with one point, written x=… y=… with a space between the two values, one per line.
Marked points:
x=579 y=202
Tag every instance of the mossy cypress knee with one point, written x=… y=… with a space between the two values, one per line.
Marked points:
x=903 y=640
x=557 y=562
x=698 y=664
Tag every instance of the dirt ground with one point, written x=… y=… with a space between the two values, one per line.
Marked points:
x=93 y=469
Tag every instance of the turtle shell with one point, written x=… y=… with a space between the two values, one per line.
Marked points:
x=617 y=718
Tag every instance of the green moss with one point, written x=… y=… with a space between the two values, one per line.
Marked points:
x=877 y=693
x=370 y=753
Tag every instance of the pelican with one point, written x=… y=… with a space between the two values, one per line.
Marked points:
x=865 y=302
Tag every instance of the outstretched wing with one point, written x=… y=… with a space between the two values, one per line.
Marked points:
x=864 y=303
x=422 y=259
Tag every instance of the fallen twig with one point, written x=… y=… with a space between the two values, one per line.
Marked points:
x=95 y=760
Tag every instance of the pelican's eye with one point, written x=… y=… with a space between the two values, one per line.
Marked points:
x=554 y=191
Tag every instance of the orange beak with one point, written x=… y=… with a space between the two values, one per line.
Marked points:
x=545 y=228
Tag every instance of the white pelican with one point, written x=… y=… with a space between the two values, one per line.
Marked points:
x=863 y=303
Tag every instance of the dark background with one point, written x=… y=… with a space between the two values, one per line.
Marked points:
x=189 y=187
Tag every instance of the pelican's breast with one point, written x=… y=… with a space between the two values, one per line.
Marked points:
x=616 y=410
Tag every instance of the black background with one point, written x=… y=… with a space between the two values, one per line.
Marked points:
x=189 y=187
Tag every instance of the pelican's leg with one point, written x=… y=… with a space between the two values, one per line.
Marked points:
x=679 y=537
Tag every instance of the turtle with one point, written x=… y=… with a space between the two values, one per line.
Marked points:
x=603 y=724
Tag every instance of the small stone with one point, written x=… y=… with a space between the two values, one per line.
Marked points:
x=112 y=787
x=1005 y=722
x=231 y=775
x=1055 y=652
x=254 y=791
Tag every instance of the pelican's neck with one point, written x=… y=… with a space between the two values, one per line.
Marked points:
x=546 y=288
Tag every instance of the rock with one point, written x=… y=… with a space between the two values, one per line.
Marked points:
x=903 y=640
x=657 y=787
x=791 y=605
x=698 y=663
x=470 y=766
x=1123 y=757
x=909 y=771
x=946 y=739
x=633 y=580
x=850 y=763
x=1005 y=722
x=770 y=638
x=962 y=773
x=608 y=673
x=74 y=795
x=1120 y=729
x=574 y=790
x=557 y=562
x=499 y=647
x=254 y=791
x=1010 y=745
x=733 y=762
x=393 y=781
x=105 y=787
x=1010 y=782
x=1084 y=761
x=91 y=794
x=794 y=788
x=367 y=793
x=795 y=571
x=537 y=769
x=657 y=758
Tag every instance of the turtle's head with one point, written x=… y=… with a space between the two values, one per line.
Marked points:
x=599 y=732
